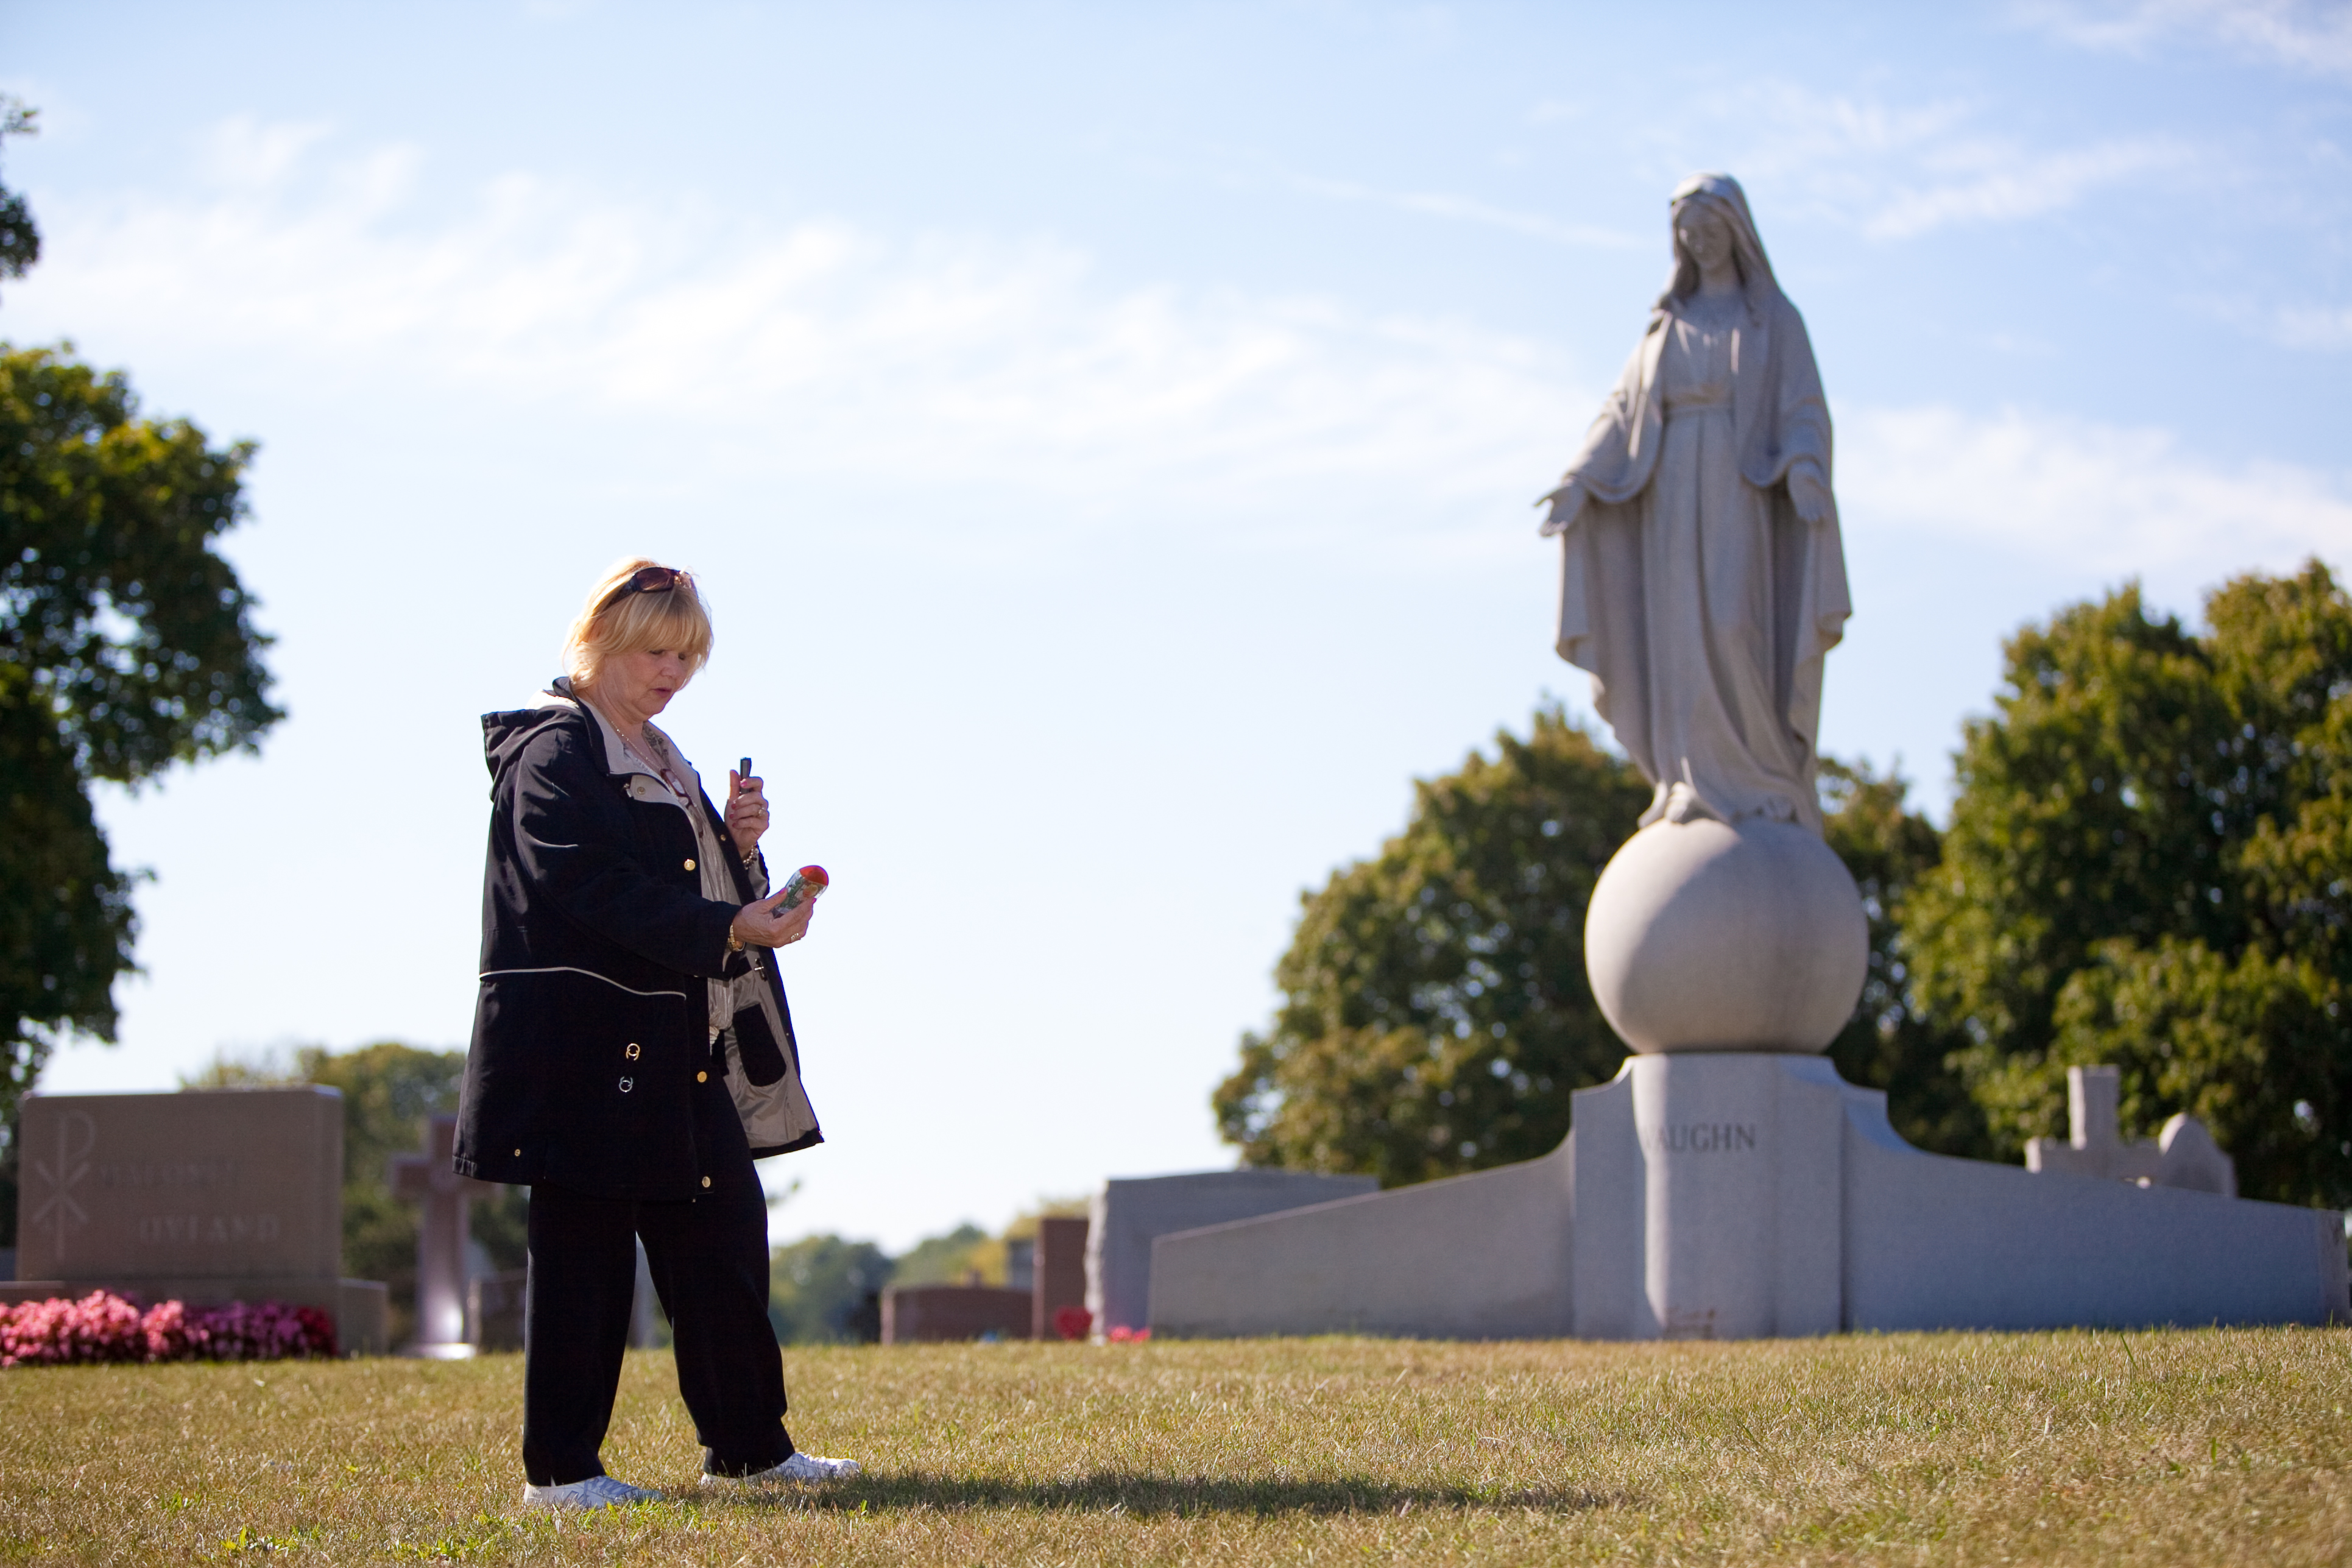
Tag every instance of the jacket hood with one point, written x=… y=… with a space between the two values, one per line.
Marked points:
x=504 y=735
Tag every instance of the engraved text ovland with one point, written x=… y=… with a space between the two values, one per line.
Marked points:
x=206 y=1229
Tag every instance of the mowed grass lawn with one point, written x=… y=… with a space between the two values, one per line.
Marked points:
x=2198 y=1447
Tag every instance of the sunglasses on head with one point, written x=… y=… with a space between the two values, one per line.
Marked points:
x=646 y=580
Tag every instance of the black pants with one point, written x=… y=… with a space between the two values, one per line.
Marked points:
x=709 y=1263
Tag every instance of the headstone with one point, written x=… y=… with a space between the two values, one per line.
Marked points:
x=1061 y=1275
x=931 y=1314
x=1020 y=1263
x=489 y=1315
x=430 y=1181
x=203 y=1196
x=2183 y=1156
x=1130 y=1213
x=494 y=1310
x=863 y=1324
x=2186 y=1157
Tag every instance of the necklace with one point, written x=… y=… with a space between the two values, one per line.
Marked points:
x=653 y=753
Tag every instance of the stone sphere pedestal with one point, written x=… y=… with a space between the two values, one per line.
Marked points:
x=1702 y=936
x=1725 y=957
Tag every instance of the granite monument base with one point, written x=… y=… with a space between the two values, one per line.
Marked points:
x=939 y=1314
x=1058 y=1274
x=1130 y=1213
x=203 y=1196
x=1742 y=1194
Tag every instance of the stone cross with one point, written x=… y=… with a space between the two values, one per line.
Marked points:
x=442 y=1197
x=2183 y=1156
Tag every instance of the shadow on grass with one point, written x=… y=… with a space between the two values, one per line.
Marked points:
x=1143 y=1496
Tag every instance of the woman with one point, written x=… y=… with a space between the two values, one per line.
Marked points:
x=633 y=1053
x=1703 y=579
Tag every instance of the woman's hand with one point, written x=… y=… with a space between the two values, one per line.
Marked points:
x=761 y=924
x=1566 y=502
x=747 y=810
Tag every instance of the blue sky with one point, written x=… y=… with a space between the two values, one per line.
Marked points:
x=1107 y=434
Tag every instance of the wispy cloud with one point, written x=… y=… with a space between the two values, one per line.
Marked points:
x=819 y=346
x=243 y=151
x=2299 y=325
x=2086 y=496
x=1898 y=172
x=2310 y=36
x=1987 y=184
x=2314 y=327
x=1467 y=209
x=814 y=344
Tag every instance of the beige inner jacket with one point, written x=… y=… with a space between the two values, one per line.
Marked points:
x=773 y=1114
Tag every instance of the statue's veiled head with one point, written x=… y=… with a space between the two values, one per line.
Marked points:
x=1700 y=204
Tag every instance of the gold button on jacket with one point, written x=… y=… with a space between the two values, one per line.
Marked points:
x=690 y=865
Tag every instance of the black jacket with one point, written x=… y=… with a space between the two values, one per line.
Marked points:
x=592 y=1018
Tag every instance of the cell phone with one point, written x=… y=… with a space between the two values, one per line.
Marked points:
x=742 y=773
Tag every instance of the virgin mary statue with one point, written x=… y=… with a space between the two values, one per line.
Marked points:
x=1702 y=578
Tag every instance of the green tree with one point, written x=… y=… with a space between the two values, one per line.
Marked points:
x=20 y=238
x=2147 y=865
x=1889 y=1044
x=946 y=1259
x=388 y=1089
x=1435 y=1014
x=126 y=645
x=823 y=1290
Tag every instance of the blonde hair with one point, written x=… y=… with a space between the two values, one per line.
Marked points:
x=671 y=618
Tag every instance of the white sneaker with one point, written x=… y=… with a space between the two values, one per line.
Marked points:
x=596 y=1491
x=799 y=1468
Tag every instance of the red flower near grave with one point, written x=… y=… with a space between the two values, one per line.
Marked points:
x=103 y=1326
x=100 y=1327
x=1073 y=1323
x=1123 y=1335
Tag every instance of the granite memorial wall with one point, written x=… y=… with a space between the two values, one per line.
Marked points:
x=203 y=1196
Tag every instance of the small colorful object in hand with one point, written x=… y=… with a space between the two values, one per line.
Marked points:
x=805 y=883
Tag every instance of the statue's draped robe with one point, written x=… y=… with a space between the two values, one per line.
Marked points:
x=1699 y=601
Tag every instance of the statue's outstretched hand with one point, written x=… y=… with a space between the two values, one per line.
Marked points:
x=1566 y=502
x=1808 y=492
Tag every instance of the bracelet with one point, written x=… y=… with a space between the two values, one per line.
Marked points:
x=734 y=943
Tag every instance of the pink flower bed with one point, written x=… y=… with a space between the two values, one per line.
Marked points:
x=103 y=1326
